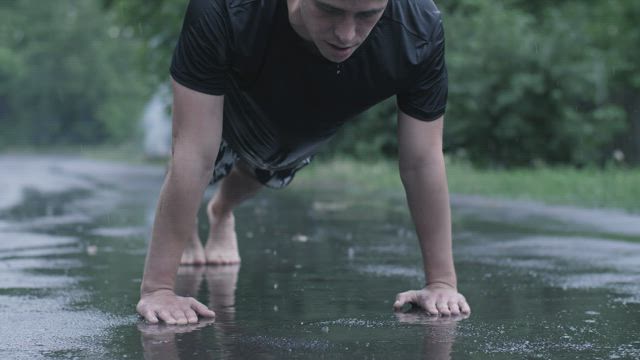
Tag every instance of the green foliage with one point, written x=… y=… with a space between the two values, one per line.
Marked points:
x=609 y=187
x=158 y=23
x=66 y=75
x=528 y=88
x=530 y=81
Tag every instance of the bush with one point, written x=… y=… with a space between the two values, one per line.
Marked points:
x=67 y=75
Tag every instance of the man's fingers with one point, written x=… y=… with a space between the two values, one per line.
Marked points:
x=150 y=316
x=435 y=301
x=455 y=309
x=201 y=309
x=443 y=308
x=430 y=306
x=464 y=307
x=166 y=316
x=192 y=317
x=181 y=319
x=401 y=299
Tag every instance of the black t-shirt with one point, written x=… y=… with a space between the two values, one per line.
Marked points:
x=282 y=100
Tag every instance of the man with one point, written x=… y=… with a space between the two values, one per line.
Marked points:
x=258 y=87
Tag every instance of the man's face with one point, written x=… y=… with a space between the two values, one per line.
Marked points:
x=338 y=27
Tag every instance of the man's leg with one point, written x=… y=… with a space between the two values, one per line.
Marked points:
x=193 y=253
x=222 y=244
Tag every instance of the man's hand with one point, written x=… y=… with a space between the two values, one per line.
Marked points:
x=171 y=308
x=436 y=299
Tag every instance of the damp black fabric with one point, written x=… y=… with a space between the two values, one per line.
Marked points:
x=282 y=100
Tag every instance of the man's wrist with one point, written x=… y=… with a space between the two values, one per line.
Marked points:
x=146 y=289
x=445 y=279
x=450 y=284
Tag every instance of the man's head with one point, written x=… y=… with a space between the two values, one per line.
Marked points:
x=338 y=27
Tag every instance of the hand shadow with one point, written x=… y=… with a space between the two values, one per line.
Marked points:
x=439 y=332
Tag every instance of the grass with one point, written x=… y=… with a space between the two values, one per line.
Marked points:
x=130 y=153
x=594 y=188
x=612 y=187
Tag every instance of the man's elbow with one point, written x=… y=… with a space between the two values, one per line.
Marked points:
x=421 y=162
x=193 y=162
x=428 y=165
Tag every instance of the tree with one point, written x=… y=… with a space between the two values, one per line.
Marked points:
x=66 y=75
x=544 y=81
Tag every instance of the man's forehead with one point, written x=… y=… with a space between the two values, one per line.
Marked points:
x=354 y=5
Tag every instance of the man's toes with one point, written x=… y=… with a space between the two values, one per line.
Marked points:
x=187 y=260
x=231 y=261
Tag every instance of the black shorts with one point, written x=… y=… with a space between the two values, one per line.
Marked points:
x=275 y=179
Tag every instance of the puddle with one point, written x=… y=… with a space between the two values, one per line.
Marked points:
x=319 y=275
x=569 y=262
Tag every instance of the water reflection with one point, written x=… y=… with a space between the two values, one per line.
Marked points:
x=564 y=292
x=439 y=332
x=166 y=342
x=160 y=341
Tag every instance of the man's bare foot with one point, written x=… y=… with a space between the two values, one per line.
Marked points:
x=222 y=245
x=194 y=252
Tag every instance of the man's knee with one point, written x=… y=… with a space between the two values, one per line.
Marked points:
x=242 y=169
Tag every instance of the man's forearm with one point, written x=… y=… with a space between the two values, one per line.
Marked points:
x=174 y=221
x=428 y=198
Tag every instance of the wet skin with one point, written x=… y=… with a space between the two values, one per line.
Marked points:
x=336 y=28
x=543 y=286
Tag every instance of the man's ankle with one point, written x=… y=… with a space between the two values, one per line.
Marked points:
x=220 y=213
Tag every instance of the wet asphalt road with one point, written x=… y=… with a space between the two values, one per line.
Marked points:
x=319 y=274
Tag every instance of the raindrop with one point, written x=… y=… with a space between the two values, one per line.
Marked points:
x=92 y=250
x=300 y=238
x=113 y=32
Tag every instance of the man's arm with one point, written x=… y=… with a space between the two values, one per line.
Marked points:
x=423 y=175
x=197 y=130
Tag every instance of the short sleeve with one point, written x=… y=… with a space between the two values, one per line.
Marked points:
x=200 y=58
x=425 y=98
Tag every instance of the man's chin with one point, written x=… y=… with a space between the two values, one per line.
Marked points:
x=336 y=56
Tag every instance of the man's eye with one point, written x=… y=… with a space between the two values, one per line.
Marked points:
x=329 y=10
x=365 y=16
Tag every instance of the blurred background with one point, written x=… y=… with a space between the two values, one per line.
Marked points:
x=532 y=84
x=544 y=105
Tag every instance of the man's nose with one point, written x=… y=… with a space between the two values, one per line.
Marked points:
x=345 y=31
